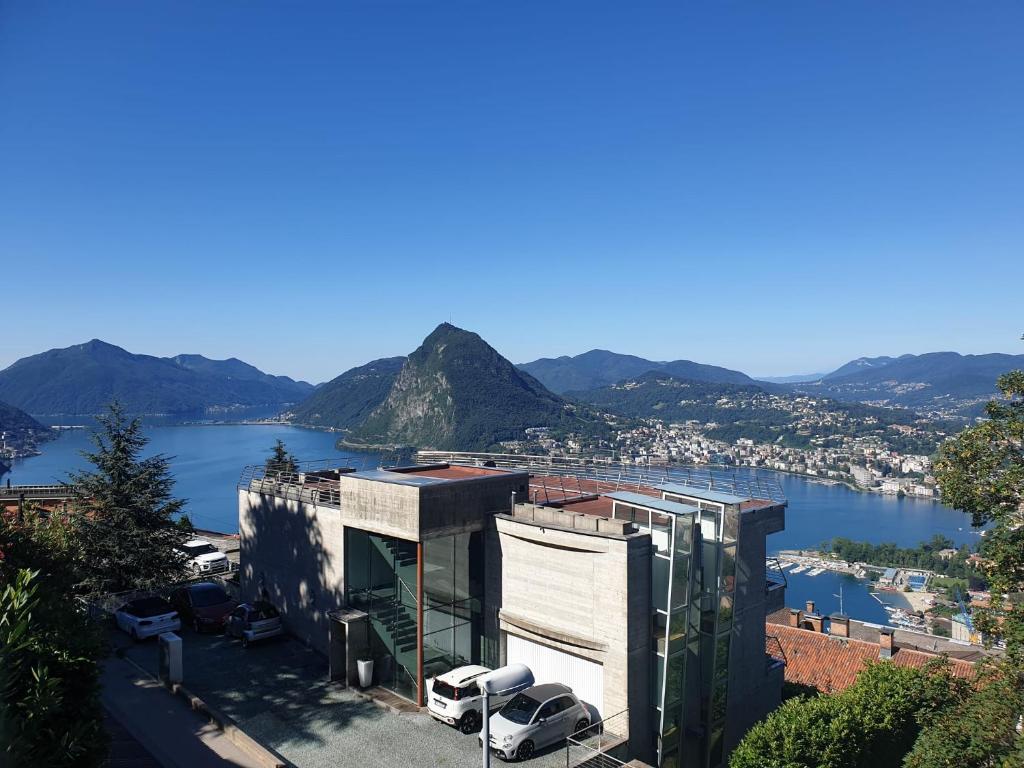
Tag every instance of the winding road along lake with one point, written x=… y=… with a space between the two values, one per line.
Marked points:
x=207 y=461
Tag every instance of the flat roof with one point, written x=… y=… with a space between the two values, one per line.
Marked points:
x=651 y=502
x=428 y=475
x=451 y=471
x=397 y=478
x=704 y=494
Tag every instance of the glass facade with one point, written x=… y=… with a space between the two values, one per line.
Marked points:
x=672 y=534
x=712 y=628
x=453 y=587
x=381 y=579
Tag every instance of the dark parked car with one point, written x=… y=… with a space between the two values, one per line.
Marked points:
x=204 y=605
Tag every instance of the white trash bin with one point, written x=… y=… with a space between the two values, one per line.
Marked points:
x=365 y=672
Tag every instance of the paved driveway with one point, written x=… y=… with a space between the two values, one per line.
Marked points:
x=278 y=692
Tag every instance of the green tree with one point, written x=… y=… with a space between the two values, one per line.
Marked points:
x=981 y=730
x=281 y=461
x=127 y=514
x=50 y=713
x=871 y=724
x=981 y=472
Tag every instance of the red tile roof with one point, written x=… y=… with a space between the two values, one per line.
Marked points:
x=831 y=663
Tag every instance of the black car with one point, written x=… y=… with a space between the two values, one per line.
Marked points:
x=204 y=605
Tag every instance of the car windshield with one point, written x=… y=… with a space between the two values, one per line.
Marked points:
x=194 y=550
x=520 y=709
x=205 y=596
x=149 y=606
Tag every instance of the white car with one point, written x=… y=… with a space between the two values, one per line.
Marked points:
x=455 y=698
x=250 y=623
x=202 y=558
x=146 y=617
x=542 y=715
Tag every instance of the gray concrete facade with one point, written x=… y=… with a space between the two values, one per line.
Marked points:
x=581 y=591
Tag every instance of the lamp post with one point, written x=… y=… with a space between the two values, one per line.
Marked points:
x=503 y=681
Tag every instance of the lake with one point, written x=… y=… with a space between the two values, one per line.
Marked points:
x=207 y=461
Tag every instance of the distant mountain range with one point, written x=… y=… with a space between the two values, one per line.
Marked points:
x=945 y=382
x=941 y=382
x=456 y=392
x=83 y=379
x=599 y=368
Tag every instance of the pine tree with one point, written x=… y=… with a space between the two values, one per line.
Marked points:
x=127 y=523
x=281 y=462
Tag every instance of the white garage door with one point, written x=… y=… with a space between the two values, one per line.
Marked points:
x=585 y=677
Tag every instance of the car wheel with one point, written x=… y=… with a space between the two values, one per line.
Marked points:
x=135 y=635
x=469 y=722
x=581 y=725
x=525 y=751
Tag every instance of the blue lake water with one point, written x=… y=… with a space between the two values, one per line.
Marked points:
x=207 y=461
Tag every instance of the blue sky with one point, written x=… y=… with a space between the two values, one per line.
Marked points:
x=772 y=186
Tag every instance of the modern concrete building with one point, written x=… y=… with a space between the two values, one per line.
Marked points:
x=642 y=590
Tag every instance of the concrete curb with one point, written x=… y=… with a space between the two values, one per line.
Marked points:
x=262 y=754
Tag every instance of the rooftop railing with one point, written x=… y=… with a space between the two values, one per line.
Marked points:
x=619 y=475
x=315 y=482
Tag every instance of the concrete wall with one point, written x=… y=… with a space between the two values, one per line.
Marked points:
x=753 y=691
x=585 y=593
x=295 y=551
x=468 y=505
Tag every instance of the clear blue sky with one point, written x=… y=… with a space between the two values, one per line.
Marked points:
x=772 y=186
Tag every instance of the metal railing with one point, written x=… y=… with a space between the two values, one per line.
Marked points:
x=30 y=492
x=604 y=744
x=315 y=482
x=748 y=483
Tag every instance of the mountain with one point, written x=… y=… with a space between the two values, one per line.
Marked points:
x=455 y=392
x=348 y=400
x=765 y=414
x=600 y=368
x=942 y=382
x=861 y=365
x=84 y=378
x=19 y=429
x=658 y=395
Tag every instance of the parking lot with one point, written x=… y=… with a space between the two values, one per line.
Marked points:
x=278 y=693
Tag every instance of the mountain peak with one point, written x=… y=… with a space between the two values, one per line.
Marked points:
x=456 y=392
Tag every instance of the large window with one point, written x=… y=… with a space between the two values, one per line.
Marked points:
x=380 y=579
x=452 y=602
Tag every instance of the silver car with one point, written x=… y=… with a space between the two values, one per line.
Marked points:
x=531 y=720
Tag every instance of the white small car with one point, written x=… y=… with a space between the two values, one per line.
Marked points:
x=542 y=715
x=250 y=623
x=146 y=617
x=455 y=698
x=202 y=558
